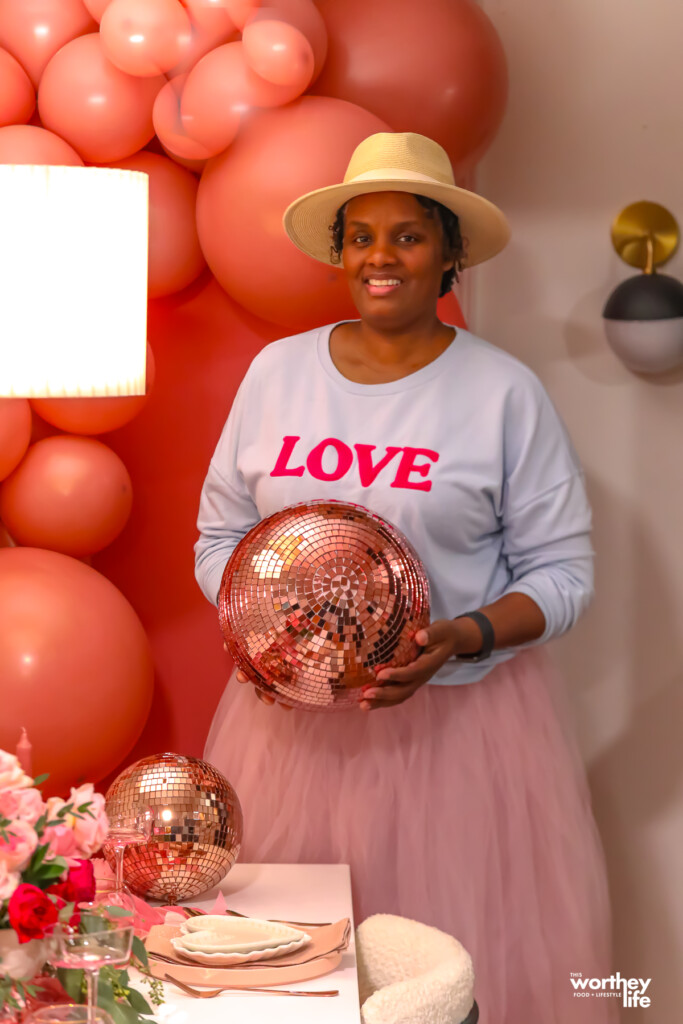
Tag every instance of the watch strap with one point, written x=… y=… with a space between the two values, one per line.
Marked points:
x=488 y=637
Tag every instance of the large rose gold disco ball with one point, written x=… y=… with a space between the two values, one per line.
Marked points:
x=317 y=595
x=194 y=822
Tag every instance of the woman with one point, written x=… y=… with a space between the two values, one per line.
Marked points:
x=462 y=804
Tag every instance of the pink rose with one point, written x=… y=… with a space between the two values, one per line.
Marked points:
x=12 y=775
x=22 y=804
x=17 y=849
x=61 y=840
x=9 y=880
x=91 y=828
x=79 y=886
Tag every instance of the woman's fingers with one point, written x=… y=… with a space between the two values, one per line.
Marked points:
x=240 y=677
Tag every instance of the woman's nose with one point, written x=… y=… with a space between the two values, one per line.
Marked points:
x=380 y=252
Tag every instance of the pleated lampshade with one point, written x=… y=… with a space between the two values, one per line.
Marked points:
x=73 y=281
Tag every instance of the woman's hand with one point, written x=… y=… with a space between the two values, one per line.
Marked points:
x=265 y=698
x=439 y=642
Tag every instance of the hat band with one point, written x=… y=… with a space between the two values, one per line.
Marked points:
x=395 y=173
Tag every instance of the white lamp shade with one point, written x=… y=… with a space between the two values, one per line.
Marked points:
x=73 y=281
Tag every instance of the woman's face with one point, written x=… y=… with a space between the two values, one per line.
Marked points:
x=393 y=258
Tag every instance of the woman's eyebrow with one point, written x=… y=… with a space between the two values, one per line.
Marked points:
x=396 y=227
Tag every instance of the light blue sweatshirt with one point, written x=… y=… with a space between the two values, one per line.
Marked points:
x=467 y=456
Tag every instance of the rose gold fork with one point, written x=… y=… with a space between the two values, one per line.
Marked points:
x=195 y=912
x=213 y=992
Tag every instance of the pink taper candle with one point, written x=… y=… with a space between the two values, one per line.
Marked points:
x=24 y=751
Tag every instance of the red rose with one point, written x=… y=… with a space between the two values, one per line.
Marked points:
x=79 y=886
x=31 y=911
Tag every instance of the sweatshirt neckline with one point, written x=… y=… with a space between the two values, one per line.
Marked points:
x=392 y=387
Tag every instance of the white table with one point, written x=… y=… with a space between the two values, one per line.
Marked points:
x=304 y=892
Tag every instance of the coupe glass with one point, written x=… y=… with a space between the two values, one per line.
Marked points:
x=124 y=834
x=90 y=951
x=68 y=1013
x=108 y=893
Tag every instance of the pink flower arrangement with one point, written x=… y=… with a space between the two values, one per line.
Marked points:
x=45 y=847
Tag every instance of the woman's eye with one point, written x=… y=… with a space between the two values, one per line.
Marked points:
x=407 y=238
x=360 y=239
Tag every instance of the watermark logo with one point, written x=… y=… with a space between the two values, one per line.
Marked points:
x=632 y=991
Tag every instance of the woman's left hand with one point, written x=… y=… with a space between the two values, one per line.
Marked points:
x=439 y=642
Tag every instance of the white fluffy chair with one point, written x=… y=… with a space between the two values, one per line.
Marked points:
x=410 y=973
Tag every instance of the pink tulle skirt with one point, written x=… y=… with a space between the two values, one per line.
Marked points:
x=466 y=808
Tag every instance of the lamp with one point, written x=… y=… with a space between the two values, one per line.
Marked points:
x=73 y=281
x=644 y=314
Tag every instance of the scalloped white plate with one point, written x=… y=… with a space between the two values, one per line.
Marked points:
x=219 y=941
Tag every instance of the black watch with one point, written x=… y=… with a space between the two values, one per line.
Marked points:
x=488 y=637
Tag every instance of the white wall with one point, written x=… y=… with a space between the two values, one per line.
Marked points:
x=595 y=122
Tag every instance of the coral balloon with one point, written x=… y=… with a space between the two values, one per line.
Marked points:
x=96 y=7
x=239 y=10
x=279 y=53
x=219 y=89
x=171 y=130
x=277 y=156
x=75 y=664
x=102 y=112
x=33 y=30
x=70 y=494
x=28 y=144
x=93 y=415
x=17 y=95
x=436 y=68
x=15 y=433
x=145 y=37
x=302 y=15
x=175 y=257
x=211 y=26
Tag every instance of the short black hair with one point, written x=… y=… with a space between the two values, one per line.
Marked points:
x=453 y=242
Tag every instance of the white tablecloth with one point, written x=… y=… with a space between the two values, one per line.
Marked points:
x=302 y=892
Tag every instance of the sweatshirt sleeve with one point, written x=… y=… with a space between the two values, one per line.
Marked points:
x=545 y=511
x=226 y=509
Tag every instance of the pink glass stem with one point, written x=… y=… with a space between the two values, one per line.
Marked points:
x=92 y=977
x=119 y=852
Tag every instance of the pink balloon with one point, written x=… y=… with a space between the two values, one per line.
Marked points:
x=170 y=128
x=17 y=95
x=239 y=10
x=211 y=25
x=96 y=7
x=27 y=144
x=75 y=664
x=102 y=112
x=33 y=30
x=90 y=415
x=145 y=37
x=302 y=15
x=279 y=53
x=277 y=156
x=15 y=433
x=219 y=89
x=69 y=494
x=175 y=258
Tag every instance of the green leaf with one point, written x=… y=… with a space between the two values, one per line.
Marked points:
x=118 y=912
x=40 y=779
x=72 y=982
x=124 y=1014
x=138 y=1002
x=139 y=951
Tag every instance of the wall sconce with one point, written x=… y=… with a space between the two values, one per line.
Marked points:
x=644 y=314
x=73 y=281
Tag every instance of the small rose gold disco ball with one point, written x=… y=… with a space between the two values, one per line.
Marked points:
x=317 y=595
x=194 y=822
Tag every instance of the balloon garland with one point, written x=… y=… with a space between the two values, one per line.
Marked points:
x=233 y=108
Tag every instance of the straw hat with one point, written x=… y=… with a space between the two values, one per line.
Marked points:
x=397 y=162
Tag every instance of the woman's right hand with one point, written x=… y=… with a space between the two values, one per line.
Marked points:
x=265 y=698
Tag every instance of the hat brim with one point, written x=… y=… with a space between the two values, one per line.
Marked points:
x=483 y=226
